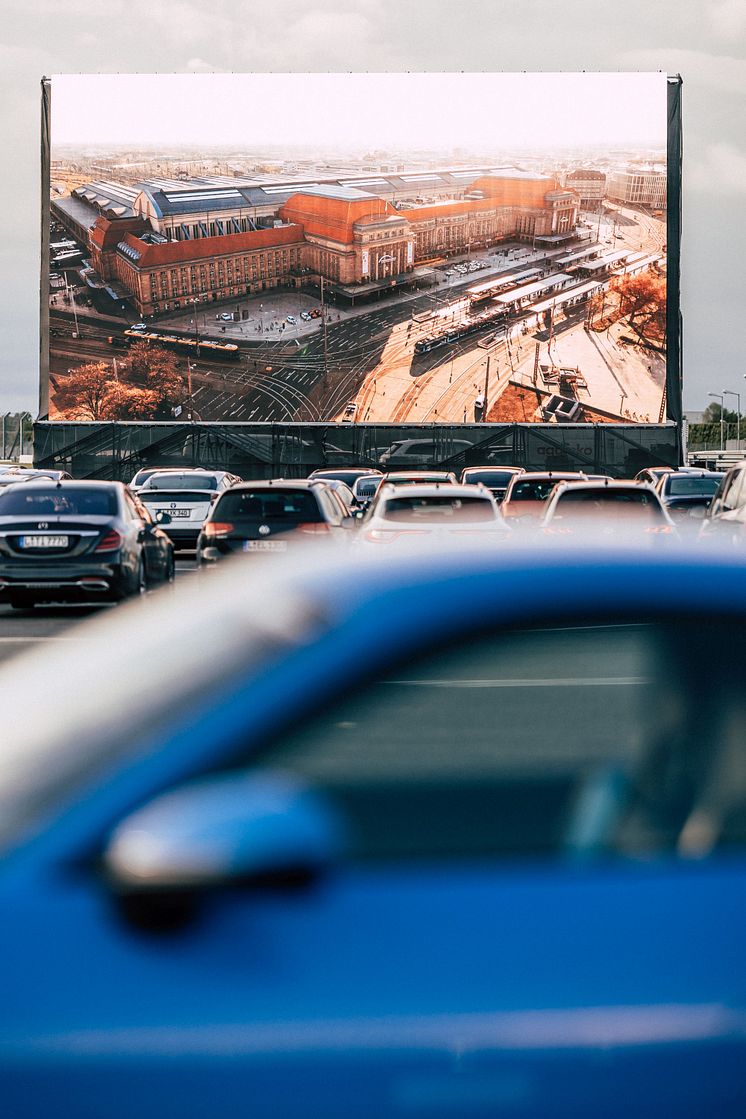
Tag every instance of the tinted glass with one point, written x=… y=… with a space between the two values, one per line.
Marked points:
x=38 y=501
x=497 y=478
x=690 y=486
x=183 y=482
x=405 y=480
x=299 y=506
x=488 y=749
x=598 y=738
x=532 y=491
x=439 y=507
x=367 y=487
x=614 y=503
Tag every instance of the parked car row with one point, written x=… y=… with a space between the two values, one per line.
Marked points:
x=67 y=540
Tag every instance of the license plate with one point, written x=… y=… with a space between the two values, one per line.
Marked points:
x=265 y=545
x=43 y=541
x=176 y=512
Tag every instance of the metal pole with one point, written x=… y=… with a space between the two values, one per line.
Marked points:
x=730 y=392
x=720 y=396
x=486 y=390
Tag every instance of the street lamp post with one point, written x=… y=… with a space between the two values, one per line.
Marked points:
x=719 y=396
x=730 y=392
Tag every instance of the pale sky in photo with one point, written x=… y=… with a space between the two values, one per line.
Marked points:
x=704 y=42
x=359 y=110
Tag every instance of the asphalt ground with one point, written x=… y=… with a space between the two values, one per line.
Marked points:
x=21 y=630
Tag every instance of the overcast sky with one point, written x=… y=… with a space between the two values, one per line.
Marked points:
x=705 y=42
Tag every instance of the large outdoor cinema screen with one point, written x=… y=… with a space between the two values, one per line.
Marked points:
x=359 y=248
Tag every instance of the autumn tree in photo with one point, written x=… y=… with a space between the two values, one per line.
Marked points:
x=145 y=385
x=642 y=302
x=155 y=370
x=81 y=395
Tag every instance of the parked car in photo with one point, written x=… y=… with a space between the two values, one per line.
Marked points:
x=417 y=453
x=78 y=541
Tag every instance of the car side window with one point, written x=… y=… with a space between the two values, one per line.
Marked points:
x=477 y=750
x=728 y=495
x=330 y=504
x=737 y=495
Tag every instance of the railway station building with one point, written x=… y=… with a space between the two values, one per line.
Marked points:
x=359 y=243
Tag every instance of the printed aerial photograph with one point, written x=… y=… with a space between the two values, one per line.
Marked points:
x=357 y=248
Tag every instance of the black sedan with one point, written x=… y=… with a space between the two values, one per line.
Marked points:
x=78 y=541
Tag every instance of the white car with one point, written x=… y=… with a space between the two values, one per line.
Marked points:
x=291 y=319
x=226 y=316
x=181 y=500
x=417 y=515
x=305 y=316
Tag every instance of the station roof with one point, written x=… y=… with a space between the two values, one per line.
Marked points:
x=567 y=295
x=106 y=196
x=556 y=238
x=528 y=290
x=146 y=255
x=578 y=254
x=332 y=214
x=207 y=194
x=606 y=261
x=80 y=212
x=503 y=278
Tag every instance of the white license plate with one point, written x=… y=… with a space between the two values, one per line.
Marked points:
x=265 y=545
x=43 y=541
x=176 y=512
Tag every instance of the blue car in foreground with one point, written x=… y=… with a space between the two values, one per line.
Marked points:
x=451 y=835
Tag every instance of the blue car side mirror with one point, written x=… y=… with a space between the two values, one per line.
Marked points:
x=233 y=828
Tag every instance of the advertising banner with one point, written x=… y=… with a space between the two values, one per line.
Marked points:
x=506 y=251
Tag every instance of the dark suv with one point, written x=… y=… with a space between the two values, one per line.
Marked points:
x=270 y=516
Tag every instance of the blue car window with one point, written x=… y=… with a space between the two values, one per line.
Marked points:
x=481 y=750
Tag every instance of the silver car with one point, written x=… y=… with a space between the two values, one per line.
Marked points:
x=181 y=500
